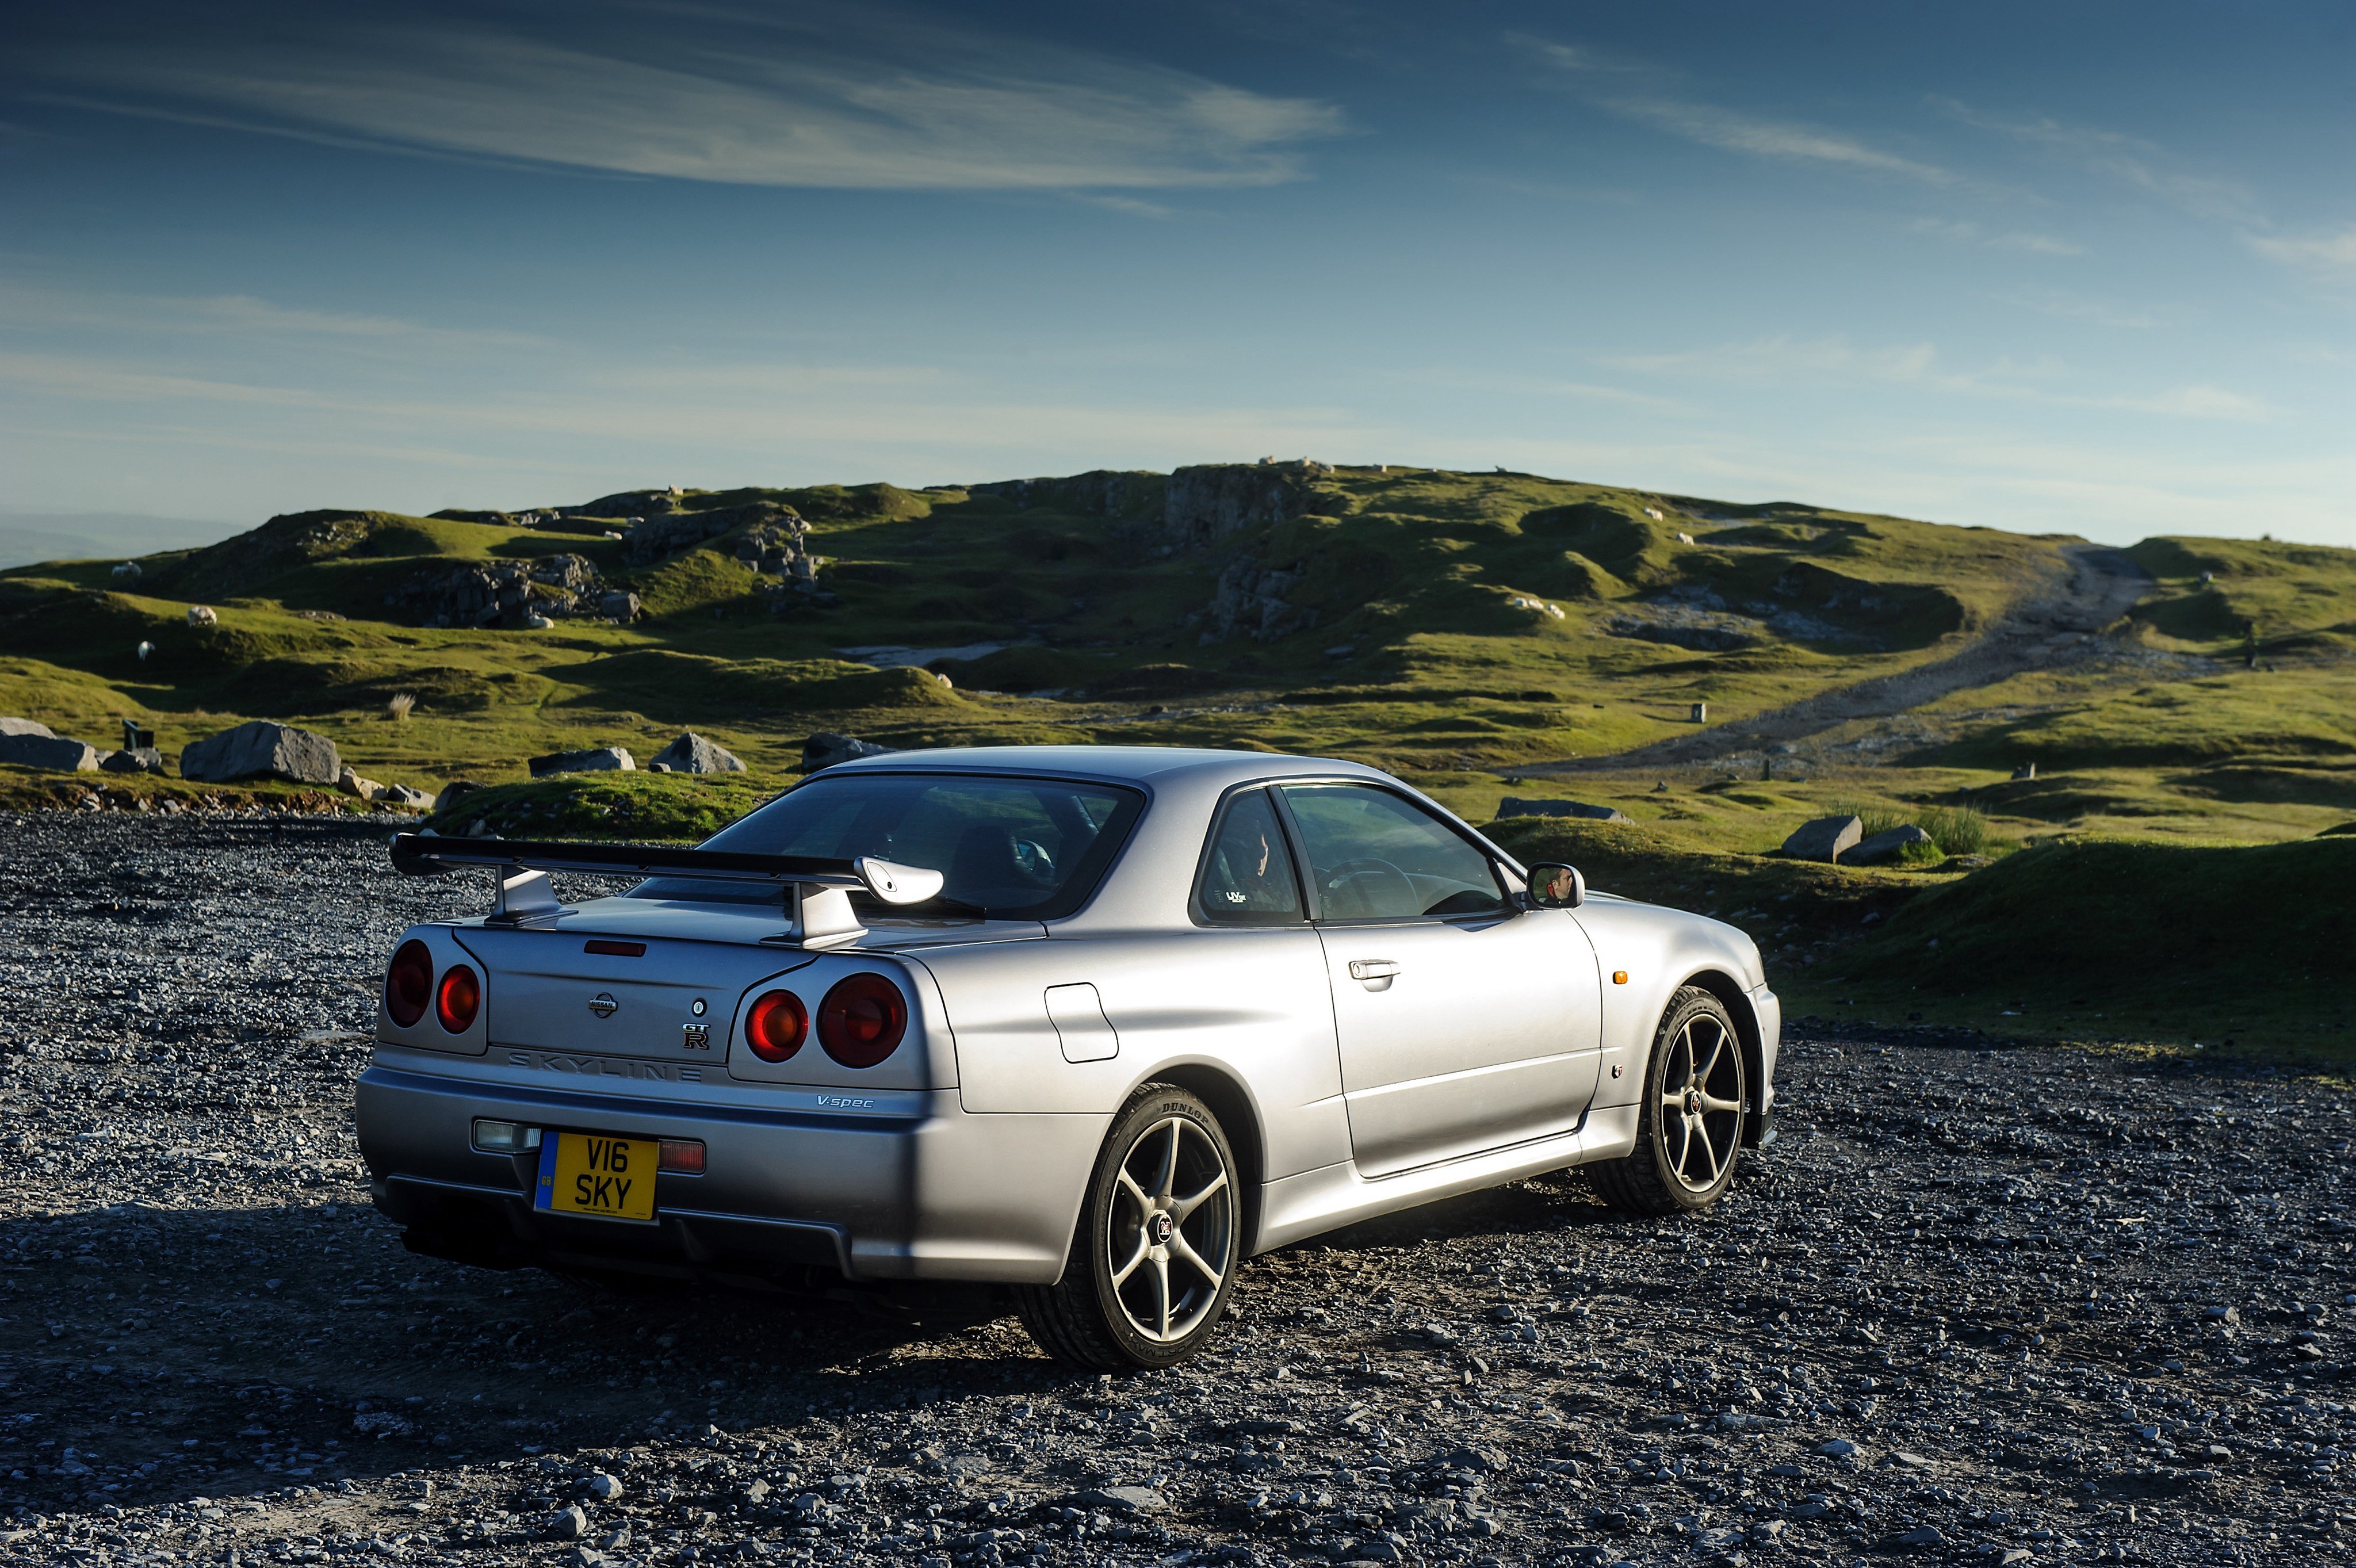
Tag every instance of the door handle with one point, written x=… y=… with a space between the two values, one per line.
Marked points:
x=1372 y=969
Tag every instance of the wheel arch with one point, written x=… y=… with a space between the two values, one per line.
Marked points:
x=1731 y=993
x=1240 y=1119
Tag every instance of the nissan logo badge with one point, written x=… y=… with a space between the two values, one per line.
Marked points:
x=602 y=1004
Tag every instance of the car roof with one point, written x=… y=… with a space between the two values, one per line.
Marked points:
x=1123 y=764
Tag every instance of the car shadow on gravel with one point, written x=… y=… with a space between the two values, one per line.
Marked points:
x=166 y=1352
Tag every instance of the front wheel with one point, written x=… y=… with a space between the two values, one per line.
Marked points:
x=1689 y=1122
x=1154 y=1257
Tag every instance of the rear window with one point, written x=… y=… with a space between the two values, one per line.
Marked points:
x=1024 y=849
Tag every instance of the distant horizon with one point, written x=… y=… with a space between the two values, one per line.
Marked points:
x=137 y=534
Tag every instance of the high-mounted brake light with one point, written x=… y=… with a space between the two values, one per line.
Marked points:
x=458 y=999
x=614 y=948
x=862 y=1020
x=775 y=1026
x=409 y=983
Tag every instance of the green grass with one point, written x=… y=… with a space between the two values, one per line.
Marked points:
x=644 y=806
x=1405 y=651
x=2146 y=942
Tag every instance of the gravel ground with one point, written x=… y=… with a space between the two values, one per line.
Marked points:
x=1996 y=1306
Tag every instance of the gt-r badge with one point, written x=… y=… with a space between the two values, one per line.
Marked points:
x=695 y=1037
x=602 y=1004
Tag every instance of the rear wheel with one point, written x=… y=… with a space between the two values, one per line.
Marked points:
x=1154 y=1257
x=1689 y=1122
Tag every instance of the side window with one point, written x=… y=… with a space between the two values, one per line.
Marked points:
x=1247 y=877
x=1373 y=856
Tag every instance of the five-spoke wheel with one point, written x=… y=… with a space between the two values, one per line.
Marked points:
x=1158 y=1242
x=1690 y=1123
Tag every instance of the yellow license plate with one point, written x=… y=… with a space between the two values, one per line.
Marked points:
x=587 y=1172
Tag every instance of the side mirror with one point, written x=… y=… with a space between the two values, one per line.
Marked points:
x=1554 y=885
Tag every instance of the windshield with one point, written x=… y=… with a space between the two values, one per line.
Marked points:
x=1025 y=849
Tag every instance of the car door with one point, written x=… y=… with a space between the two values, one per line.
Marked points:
x=1464 y=1022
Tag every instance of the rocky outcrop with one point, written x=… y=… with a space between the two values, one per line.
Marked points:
x=690 y=753
x=24 y=726
x=1511 y=806
x=779 y=548
x=132 y=760
x=1100 y=492
x=626 y=504
x=1687 y=625
x=263 y=750
x=1250 y=597
x=1208 y=502
x=651 y=539
x=1824 y=839
x=826 y=748
x=50 y=751
x=511 y=592
x=597 y=759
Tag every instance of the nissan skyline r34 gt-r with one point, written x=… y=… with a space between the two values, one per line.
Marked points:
x=1093 y=1022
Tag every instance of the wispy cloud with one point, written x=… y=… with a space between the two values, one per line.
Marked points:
x=1715 y=125
x=2074 y=307
x=2332 y=256
x=851 y=100
x=48 y=309
x=1964 y=231
x=1835 y=358
x=1738 y=133
x=2132 y=161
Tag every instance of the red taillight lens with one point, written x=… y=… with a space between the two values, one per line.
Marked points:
x=862 y=1020
x=777 y=1025
x=460 y=997
x=409 y=982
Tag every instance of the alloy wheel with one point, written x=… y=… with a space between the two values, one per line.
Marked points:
x=1170 y=1230
x=1701 y=1102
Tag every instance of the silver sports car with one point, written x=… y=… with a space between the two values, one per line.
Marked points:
x=1094 y=1023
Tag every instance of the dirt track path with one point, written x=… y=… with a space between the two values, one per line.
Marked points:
x=2065 y=627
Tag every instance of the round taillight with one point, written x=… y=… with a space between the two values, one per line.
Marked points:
x=777 y=1025
x=459 y=998
x=409 y=982
x=862 y=1020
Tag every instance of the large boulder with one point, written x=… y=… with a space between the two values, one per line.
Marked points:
x=1887 y=846
x=352 y=783
x=1824 y=839
x=49 y=751
x=132 y=760
x=1513 y=806
x=597 y=759
x=826 y=748
x=263 y=750
x=25 y=727
x=690 y=753
x=453 y=792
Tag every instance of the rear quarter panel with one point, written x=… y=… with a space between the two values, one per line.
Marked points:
x=1251 y=1005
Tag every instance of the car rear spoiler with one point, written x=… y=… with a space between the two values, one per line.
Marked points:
x=816 y=892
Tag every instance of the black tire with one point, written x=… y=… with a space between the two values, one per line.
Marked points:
x=1689 y=1122
x=1128 y=1301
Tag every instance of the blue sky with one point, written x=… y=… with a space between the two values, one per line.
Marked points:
x=2084 y=268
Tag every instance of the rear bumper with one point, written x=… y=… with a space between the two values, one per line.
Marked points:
x=922 y=1191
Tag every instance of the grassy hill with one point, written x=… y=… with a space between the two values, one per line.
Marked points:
x=1453 y=628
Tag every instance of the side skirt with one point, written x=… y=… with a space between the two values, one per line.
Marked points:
x=1299 y=1205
